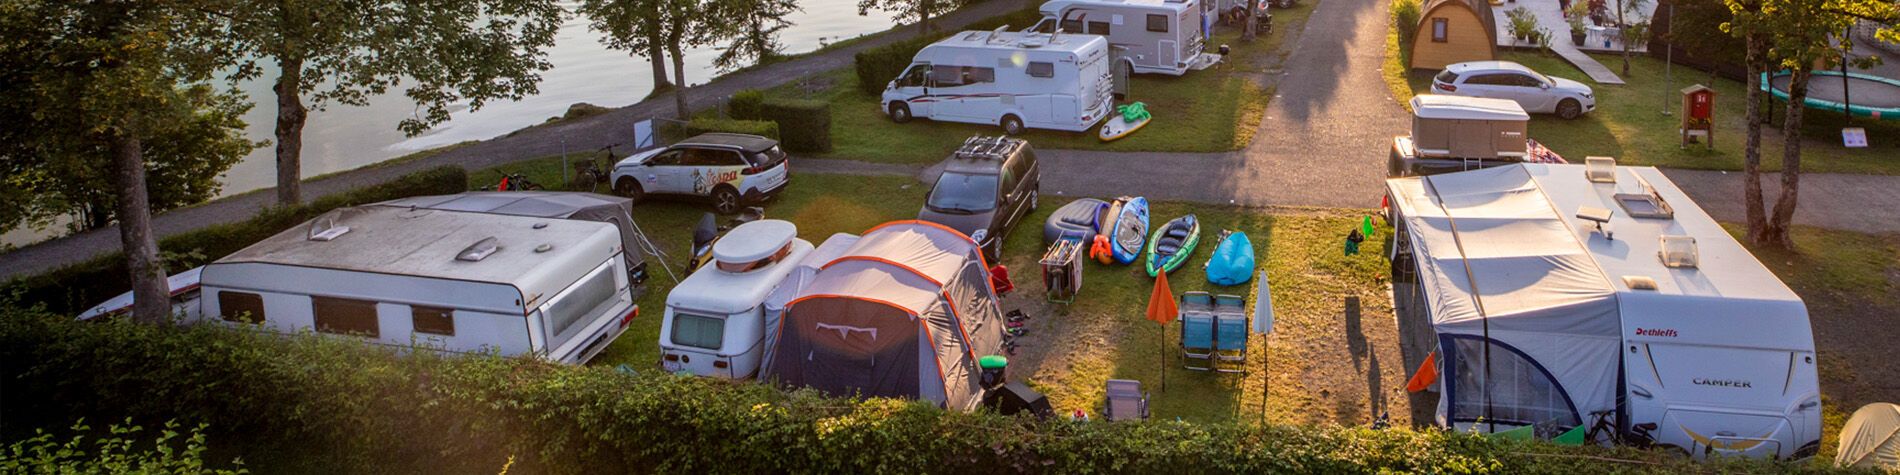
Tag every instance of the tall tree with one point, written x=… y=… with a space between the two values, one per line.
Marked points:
x=756 y=24
x=633 y=26
x=1695 y=27
x=347 y=51
x=1628 y=33
x=681 y=24
x=105 y=76
x=920 y=11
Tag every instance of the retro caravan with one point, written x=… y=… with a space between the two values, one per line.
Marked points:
x=1146 y=36
x=1563 y=297
x=1014 y=80
x=455 y=281
x=715 y=319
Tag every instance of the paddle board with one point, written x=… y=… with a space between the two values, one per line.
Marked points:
x=1117 y=127
x=1131 y=229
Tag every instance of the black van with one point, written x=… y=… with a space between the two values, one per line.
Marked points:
x=987 y=186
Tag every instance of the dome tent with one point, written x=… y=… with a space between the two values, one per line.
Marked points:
x=1871 y=438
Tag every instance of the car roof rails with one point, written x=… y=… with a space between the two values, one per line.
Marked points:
x=993 y=148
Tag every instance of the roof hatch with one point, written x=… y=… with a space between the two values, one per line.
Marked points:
x=479 y=250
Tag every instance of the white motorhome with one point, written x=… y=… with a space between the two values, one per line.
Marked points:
x=1148 y=36
x=1561 y=297
x=1013 y=79
x=715 y=319
x=448 y=280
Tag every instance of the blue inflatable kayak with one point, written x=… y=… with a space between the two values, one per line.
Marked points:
x=1131 y=229
x=1232 y=262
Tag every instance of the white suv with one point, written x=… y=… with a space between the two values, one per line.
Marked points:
x=730 y=169
x=1534 y=91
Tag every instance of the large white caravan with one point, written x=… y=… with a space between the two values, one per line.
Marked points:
x=715 y=319
x=1148 y=36
x=450 y=280
x=1561 y=296
x=1013 y=79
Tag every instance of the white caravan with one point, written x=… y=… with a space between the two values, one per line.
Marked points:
x=1013 y=79
x=715 y=320
x=448 y=280
x=1561 y=297
x=1148 y=36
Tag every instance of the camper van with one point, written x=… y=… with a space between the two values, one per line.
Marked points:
x=715 y=319
x=1148 y=36
x=1560 y=298
x=1012 y=79
x=455 y=281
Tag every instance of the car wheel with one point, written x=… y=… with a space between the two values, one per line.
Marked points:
x=1569 y=109
x=725 y=200
x=900 y=112
x=630 y=188
x=1012 y=125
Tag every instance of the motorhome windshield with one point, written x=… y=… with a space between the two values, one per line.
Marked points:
x=963 y=193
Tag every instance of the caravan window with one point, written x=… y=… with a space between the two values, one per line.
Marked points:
x=1041 y=69
x=1072 y=26
x=583 y=299
x=948 y=76
x=345 y=316
x=698 y=332
x=241 y=307
x=432 y=320
x=1158 y=23
x=1098 y=28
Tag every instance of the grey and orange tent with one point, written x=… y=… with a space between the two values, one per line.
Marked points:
x=905 y=312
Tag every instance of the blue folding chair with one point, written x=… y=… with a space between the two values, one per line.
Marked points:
x=1230 y=334
x=1197 y=330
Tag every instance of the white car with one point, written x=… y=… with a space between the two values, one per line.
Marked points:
x=1534 y=91
x=731 y=169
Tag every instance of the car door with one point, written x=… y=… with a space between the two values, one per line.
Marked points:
x=662 y=172
x=1532 y=93
x=914 y=87
x=949 y=86
x=714 y=167
x=1009 y=207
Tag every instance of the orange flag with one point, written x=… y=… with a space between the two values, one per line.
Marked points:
x=1427 y=373
x=1161 y=307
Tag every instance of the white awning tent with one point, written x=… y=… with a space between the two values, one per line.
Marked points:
x=1871 y=438
x=1711 y=353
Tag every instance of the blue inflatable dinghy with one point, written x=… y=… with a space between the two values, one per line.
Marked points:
x=1232 y=262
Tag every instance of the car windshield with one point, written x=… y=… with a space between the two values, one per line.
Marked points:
x=963 y=193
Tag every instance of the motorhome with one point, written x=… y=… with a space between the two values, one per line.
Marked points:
x=1016 y=80
x=1147 y=36
x=715 y=319
x=1561 y=297
x=454 y=281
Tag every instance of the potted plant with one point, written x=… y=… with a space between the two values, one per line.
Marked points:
x=1523 y=23
x=1574 y=16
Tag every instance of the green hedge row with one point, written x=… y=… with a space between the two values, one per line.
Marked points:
x=876 y=67
x=750 y=127
x=804 y=125
x=308 y=403
x=72 y=289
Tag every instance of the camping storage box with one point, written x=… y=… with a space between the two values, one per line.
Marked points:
x=1468 y=127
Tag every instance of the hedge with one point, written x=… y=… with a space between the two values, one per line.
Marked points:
x=745 y=104
x=750 y=127
x=74 y=288
x=803 y=124
x=308 y=403
x=876 y=67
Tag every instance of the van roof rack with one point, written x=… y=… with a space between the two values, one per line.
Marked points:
x=992 y=148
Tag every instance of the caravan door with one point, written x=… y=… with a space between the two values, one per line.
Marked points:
x=913 y=87
x=959 y=92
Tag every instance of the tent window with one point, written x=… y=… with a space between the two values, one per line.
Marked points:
x=1439 y=30
x=241 y=307
x=433 y=320
x=345 y=316
x=698 y=332
x=1520 y=392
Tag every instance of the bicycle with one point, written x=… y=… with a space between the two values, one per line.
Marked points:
x=1638 y=436
x=591 y=173
x=513 y=182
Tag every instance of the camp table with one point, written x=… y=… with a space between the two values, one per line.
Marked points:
x=1062 y=268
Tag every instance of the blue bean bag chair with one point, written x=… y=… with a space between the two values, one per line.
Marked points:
x=1232 y=262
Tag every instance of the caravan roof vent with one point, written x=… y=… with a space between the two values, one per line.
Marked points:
x=326 y=227
x=1678 y=251
x=1599 y=169
x=1639 y=282
x=479 y=250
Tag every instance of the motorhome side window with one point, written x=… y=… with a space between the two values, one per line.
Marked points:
x=585 y=298
x=1098 y=28
x=1042 y=69
x=345 y=316
x=432 y=320
x=1072 y=26
x=1158 y=23
x=241 y=306
x=949 y=76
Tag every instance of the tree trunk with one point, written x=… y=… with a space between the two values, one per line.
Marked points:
x=1623 y=39
x=151 y=296
x=1783 y=217
x=924 y=7
x=1252 y=23
x=1751 y=151
x=656 y=51
x=679 y=79
x=290 y=120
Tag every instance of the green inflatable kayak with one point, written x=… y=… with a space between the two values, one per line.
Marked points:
x=1173 y=244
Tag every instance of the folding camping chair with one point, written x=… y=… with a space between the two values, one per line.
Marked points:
x=1197 y=330
x=1230 y=334
x=1126 y=401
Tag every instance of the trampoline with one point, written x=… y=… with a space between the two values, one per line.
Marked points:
x=1860 y=94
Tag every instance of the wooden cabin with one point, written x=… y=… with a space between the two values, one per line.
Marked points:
x=1454 y=31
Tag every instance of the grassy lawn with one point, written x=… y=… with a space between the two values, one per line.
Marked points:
x=1214 y=110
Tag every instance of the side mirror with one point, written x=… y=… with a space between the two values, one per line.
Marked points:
x=1544 y=85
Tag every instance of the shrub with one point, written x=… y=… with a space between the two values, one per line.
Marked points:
x=750 y=127
x=745 y=105
x=308 y=403
x=1405 y=14
x=118 y=451
x=71 y=289
x=804 y=125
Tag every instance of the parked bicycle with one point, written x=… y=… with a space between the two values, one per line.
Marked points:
x=591 y=173
x=1604 y=429
x=513 y=182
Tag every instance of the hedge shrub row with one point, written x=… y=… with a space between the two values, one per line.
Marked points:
x=745 y=104
x=74 y=288
x=751 y=127
x=803 y=124
x=876 y=67
x=305 y=403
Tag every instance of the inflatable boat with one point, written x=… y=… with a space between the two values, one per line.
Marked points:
x=1173 y=244
x=1131 y=228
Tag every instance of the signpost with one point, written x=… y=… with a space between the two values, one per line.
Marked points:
x=1854 y=137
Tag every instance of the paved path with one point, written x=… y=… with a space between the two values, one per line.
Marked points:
x=1550 y=16
x=1864 y=203
x=589 y=134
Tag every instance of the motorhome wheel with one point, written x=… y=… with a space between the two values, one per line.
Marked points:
x=1012 y=125
x=725 y=200
x=900 y=112
x=1569 y=109
x=630 y=188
